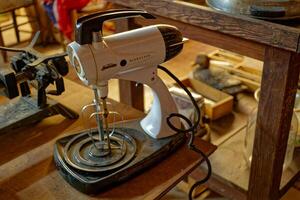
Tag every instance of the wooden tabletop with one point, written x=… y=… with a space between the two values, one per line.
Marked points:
x=27 y=169
x=259 y=32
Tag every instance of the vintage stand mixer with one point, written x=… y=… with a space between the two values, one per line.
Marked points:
x=97 y=158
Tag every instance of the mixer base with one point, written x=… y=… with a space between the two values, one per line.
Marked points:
x=148 y=152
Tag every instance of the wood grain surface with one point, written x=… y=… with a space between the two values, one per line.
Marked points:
x=259 y=31
x=27 y=169
x=278 y=90
x=231 y=172
x=216 y=39
x=6 y=6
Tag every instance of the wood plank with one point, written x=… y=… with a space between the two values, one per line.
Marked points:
x=27 y=170
x=6 y=6
x=220 y=186
x=132 y=94
x=293 y=193
x=278 y=89
x=260 y=31
x=226 y=127
x=231 y=172
x=217 y=39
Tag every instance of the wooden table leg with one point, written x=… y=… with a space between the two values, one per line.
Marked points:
x=278 y=89
x=16 y=28
x=130 y=93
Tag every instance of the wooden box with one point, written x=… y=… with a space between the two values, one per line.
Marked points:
x=217 y=104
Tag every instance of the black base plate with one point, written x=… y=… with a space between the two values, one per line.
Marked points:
x=149 y=152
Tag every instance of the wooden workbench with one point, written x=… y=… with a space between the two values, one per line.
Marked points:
x=27 y=169
x=275 y=44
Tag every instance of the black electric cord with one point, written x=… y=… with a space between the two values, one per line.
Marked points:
x=191 y=130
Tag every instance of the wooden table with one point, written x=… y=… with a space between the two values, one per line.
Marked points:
x=277 y=45
x=27 y=169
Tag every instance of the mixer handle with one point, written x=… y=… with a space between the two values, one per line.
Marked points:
x=85 y=26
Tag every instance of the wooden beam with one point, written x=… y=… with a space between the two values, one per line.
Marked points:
x=278 y=89
x=213 y=38
x=268 y=33
x=132 y=94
